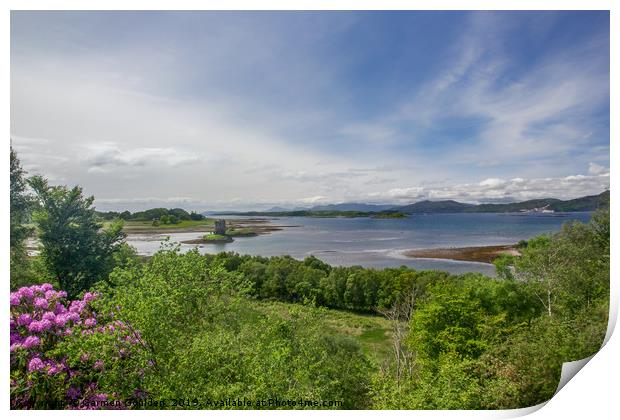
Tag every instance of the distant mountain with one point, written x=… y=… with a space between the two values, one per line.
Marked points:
x=588 y=203
x=353 y=207
x=426 y=206
x=278 y=209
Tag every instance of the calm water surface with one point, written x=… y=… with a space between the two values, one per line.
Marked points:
x=379 y=242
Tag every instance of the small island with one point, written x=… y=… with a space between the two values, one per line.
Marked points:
x=389 y=215
x=241 y=232
x=214 y=238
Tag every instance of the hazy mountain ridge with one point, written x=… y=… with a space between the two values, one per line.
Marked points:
x=587 y=203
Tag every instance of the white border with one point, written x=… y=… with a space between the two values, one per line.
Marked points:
x=593 y=393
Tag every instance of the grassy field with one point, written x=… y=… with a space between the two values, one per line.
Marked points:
x=205 y=225
x=372 y=332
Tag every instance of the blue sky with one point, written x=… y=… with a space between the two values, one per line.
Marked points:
x=246 y=110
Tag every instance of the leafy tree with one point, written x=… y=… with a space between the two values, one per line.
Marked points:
x=20 y=214
x=196 y=216
x=209 y=340
x=76 y=250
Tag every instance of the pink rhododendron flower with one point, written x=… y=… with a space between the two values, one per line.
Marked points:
x=59 y=308
x=73 y=393
x=50 y=316
x=31 y=341
x=24 y=319
x=15 y=298
x=35 y=364
x=60 y=320
x=26 y=292
x=41 y=303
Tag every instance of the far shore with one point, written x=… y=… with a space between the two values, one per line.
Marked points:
x=484 y=254
x=244 y=228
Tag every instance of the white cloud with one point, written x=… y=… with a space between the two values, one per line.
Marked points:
x=497 y=190
x=596 y=169
x=106 y=157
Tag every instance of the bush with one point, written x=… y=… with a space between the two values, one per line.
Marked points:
x=67 y=355
x=211 y=341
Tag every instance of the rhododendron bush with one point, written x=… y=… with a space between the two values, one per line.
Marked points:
x=67 y=354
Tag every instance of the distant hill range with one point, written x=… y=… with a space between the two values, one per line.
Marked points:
x=589 y=203
x=354 y=207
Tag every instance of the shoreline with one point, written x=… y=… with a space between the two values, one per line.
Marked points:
x=256 y=227
x=483 y=254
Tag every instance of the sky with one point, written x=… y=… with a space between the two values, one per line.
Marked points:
x=248 y=110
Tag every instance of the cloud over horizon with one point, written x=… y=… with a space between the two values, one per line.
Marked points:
x=245 y=109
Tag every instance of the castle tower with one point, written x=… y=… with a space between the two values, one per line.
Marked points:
x=220 y=227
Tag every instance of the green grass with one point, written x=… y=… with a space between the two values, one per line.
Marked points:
x=372 y=332
x=395 y=215
x=240 y=232
x=212 y=237
x=147 y=226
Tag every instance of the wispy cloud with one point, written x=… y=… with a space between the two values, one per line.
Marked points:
x=497 y=190
x=106 y=157
x=232 y=108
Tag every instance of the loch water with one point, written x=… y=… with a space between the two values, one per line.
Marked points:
x=380 y=243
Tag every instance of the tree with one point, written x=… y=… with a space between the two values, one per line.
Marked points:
x=20 y=214
x=76 y=250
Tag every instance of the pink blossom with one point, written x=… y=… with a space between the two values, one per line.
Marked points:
x=15 y=347
x=24 y=320
x=31 y=341
x=59 y=308
x=50 y=316
x=38 y=326
x=72 y=316
x=90 y=322
x=77 y=306
x=46 y=286
x=60 y=320
x=73 y=393
x=41 y=303
x=15 y=298
x=26 y=292
x=98 y=365
x=35 y=326
x=35 y=364
x=53 y=369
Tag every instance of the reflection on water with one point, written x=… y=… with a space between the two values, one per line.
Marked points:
x=379 y=243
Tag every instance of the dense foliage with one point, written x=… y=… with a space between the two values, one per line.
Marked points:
x=20 y=216
x=67 y=355
x=210 y=342
x=476 y=342
x=354 y=288
x=206 y=328
x=161 y=215
x=76 y=251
